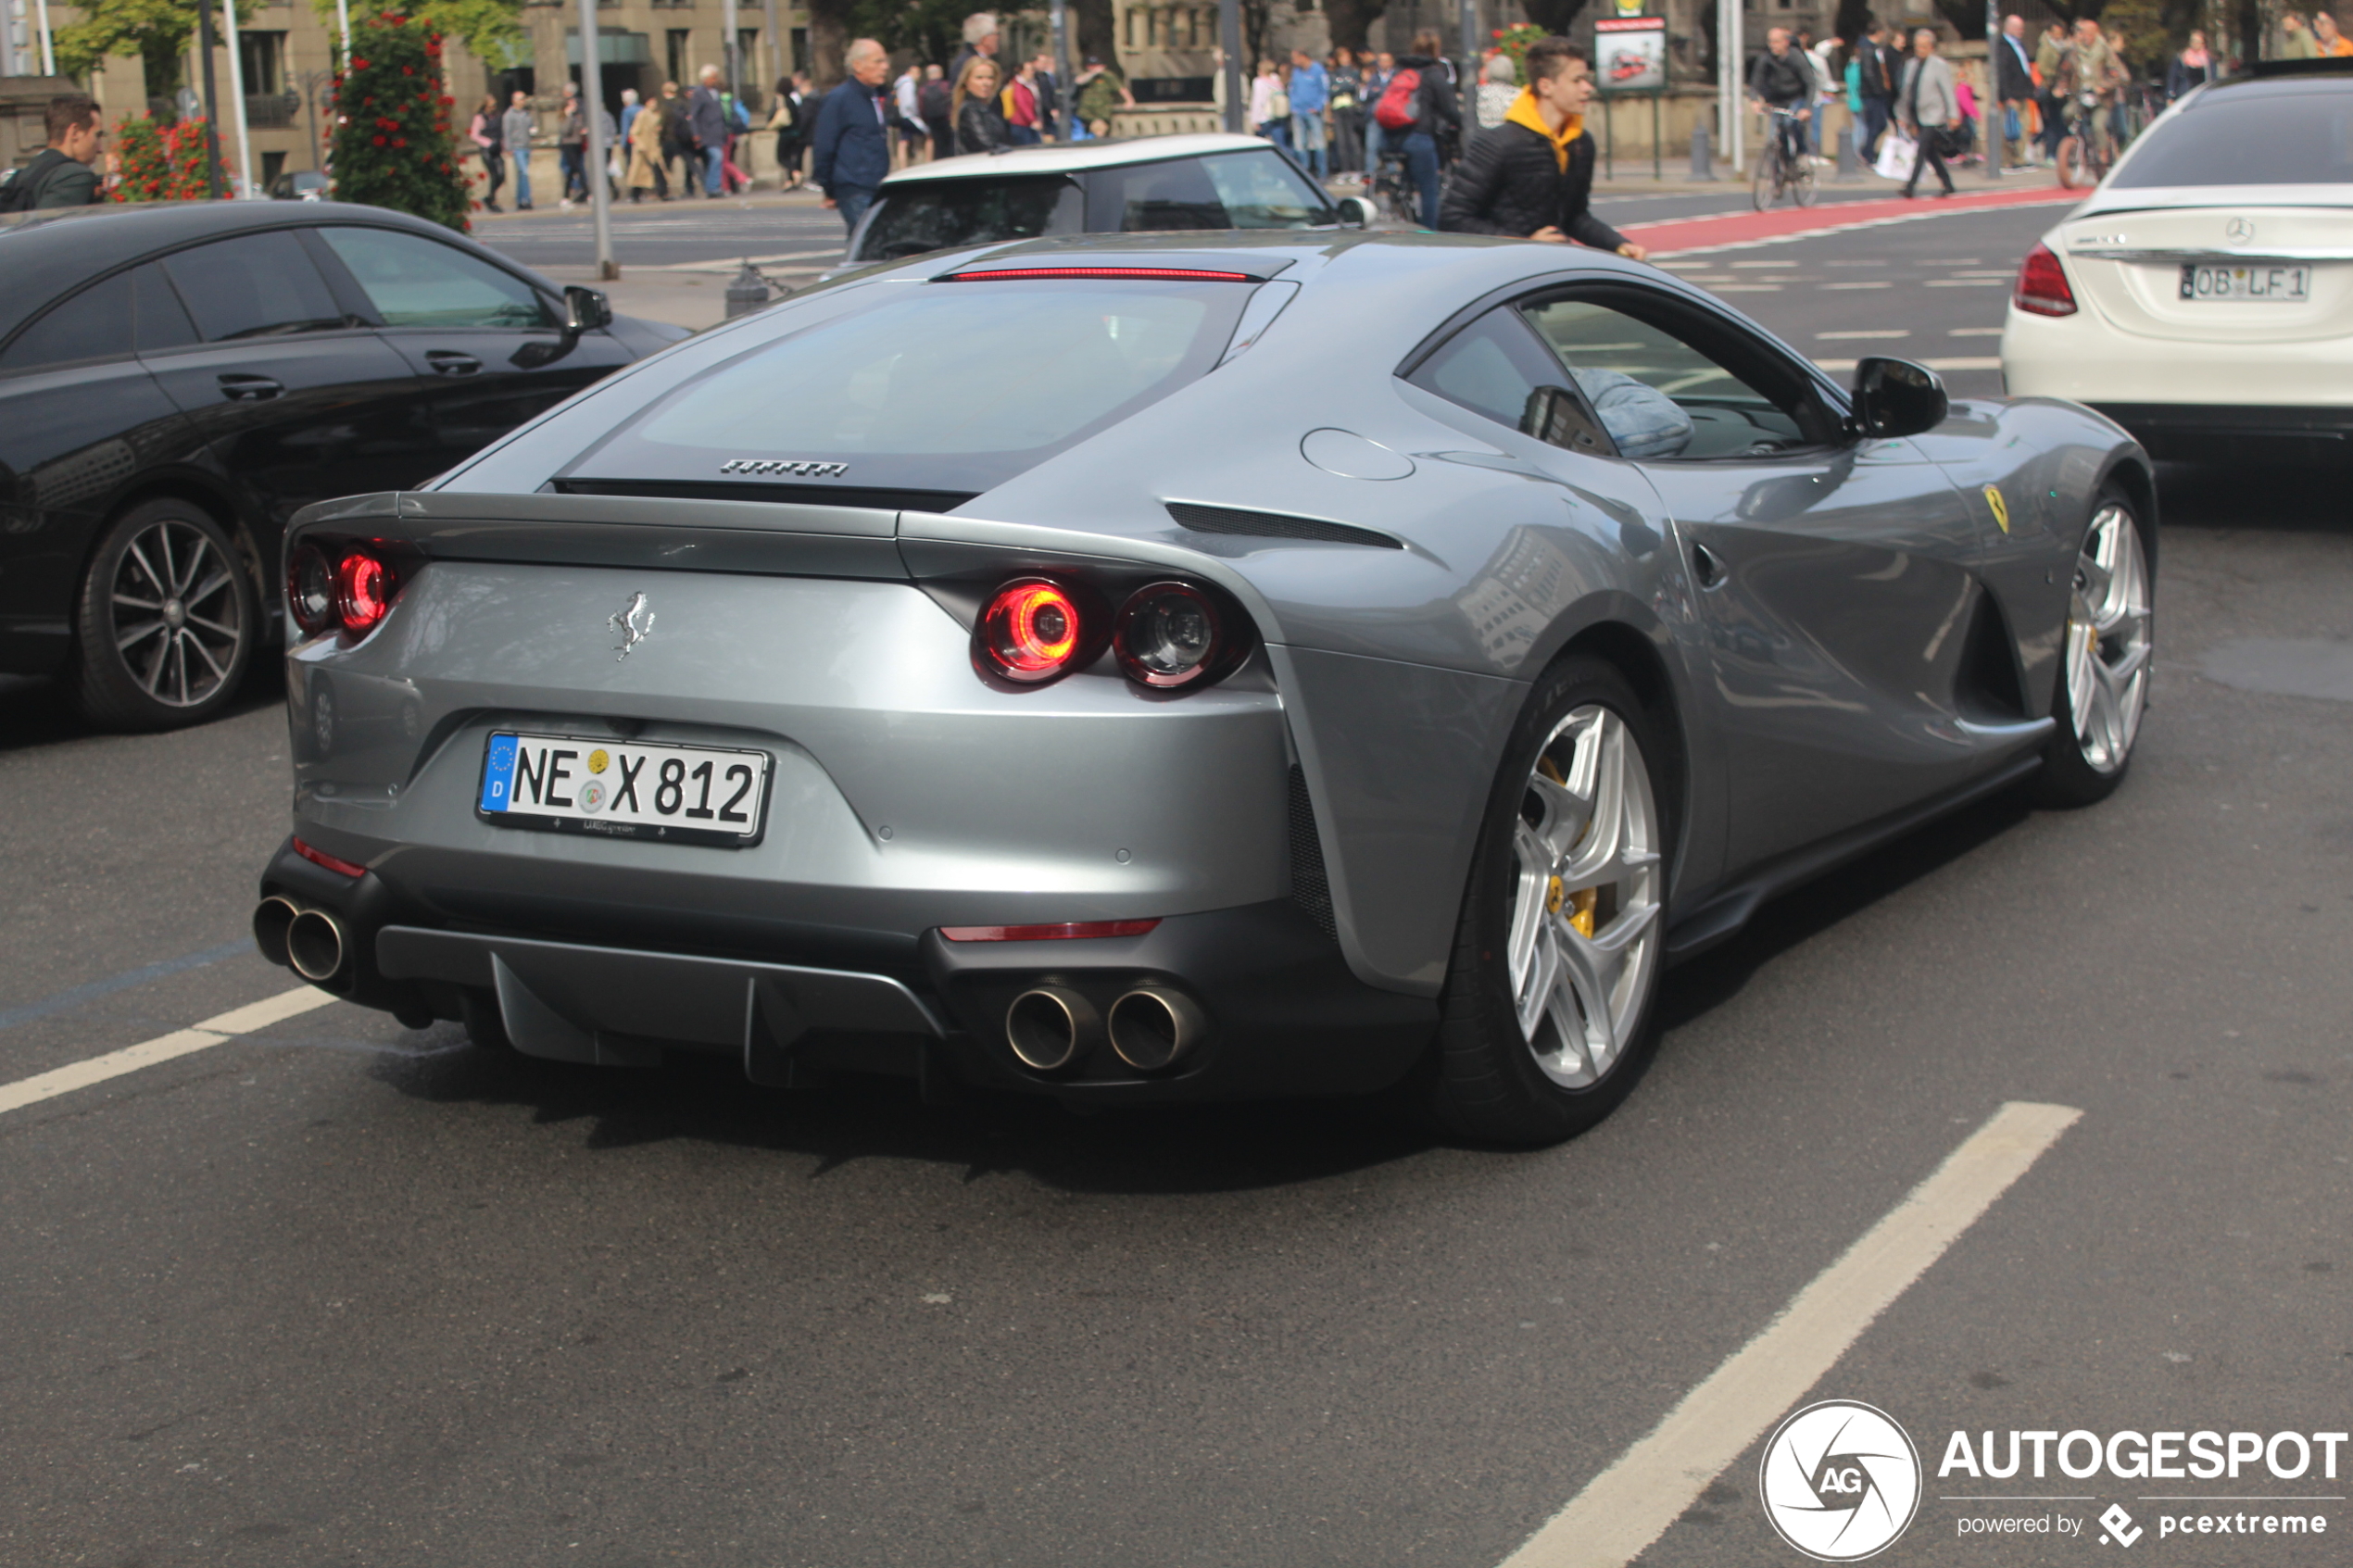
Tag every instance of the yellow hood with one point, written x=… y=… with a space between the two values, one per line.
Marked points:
x=1525 y=112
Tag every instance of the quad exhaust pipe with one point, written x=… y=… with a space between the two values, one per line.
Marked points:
x=311 y=942
x=1052 y=1027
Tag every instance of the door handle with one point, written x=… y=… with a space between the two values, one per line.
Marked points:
x=248 y=389
x=451 y=362
x=1705 y=566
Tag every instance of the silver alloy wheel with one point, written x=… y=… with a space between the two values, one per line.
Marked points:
x=2108 y=640
x=178 y=621
x=1585 y=915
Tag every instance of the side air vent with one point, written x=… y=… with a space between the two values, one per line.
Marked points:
x=1311 y=889
x=1274 y=525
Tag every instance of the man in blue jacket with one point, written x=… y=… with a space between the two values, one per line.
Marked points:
x=853 y=142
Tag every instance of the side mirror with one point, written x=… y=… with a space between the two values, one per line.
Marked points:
x=1356 y=212
x=1897 y=397
x=585 y=309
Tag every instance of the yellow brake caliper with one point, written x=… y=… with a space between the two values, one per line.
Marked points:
x=1581 y=902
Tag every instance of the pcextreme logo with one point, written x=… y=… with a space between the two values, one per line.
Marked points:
x=1840 y=1481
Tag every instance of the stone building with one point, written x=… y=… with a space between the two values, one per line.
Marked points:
x=285 y=64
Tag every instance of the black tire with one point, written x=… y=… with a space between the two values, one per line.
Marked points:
x=1487 y=1083
x=1804 y=187
x=167 y=621
x=2071 y=164
x=1764 y=186
x=2072 y=774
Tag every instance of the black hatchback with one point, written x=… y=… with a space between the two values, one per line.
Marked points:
x=177 y=380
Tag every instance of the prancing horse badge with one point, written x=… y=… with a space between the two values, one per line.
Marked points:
x=632 y=625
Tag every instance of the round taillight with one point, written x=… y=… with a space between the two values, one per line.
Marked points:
x=2042 y=285
x=1169 y=636
x=363 y=591
x=310 y=590
x=1032 y=630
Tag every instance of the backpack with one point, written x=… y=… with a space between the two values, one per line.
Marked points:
x=1399 y=104
x=933 y=101
x=22 y=187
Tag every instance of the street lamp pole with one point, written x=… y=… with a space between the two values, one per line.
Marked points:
x=212 y=103
x=1470 y=50
x=1059 y=19
x=1996 y=143
x=1230 y=39
x=729 y=48
x=592 y=109
x=237 y=99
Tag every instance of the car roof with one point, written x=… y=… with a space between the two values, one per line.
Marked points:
x=1075 y=158
x=42 y=254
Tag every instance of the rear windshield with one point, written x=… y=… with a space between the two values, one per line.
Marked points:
x=952 y=387
x=1247 y=190
x=2250 y=138
x=936 y=214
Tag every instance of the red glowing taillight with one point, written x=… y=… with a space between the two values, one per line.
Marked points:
x=2041 y=285
x=310 y=590
x=363 y=592
x=1169 y=636
x=1032 y=630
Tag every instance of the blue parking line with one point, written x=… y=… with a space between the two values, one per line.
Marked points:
x=66 y=1001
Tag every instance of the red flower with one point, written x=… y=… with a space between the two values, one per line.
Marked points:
x=399 y=141
x=380 y=141
x=356 y=65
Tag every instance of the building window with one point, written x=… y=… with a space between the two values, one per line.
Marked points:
x=801 y=48
x=261 y=56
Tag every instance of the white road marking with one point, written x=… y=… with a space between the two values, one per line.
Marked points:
x=1974 y=362
x=1975 y=332
x=1968 y=282
x=1630 y=1505
x=1895 y=332
x=215 y=1031
x=1873 y=285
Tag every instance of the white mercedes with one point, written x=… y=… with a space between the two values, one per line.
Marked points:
x=2203 y=296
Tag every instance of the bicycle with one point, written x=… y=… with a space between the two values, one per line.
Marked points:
x=1393 y=193
x=1782 y=169
x=2087 y=151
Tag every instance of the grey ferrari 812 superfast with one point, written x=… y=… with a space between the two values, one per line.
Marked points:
x=1164 y=668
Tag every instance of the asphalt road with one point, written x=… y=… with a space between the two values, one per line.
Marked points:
x=342 y=1292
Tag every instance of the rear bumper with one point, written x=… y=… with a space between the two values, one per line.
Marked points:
x=2193 y=432
x=2085 y=358
x=1286 y=1016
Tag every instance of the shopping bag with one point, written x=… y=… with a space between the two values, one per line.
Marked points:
x=1898 y=153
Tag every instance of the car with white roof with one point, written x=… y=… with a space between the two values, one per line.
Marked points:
x=1105 y=187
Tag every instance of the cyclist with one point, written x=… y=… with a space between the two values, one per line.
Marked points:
x=1532 y=176
x=2092 y=77
x=1780 y=79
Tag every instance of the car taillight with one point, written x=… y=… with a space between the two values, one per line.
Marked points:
x=363 y=591
x=310 y=589
x=1032 y=630
x=2041 y=285
x=1168 y=637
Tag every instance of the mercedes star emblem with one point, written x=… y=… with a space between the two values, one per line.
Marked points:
x=2238 y=231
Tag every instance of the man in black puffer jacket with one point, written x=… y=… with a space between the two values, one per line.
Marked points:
x=1532 y=176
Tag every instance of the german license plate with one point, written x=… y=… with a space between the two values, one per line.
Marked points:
x=2278 y=285
x=624 y=789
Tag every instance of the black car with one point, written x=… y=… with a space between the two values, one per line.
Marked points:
x=177 y=380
